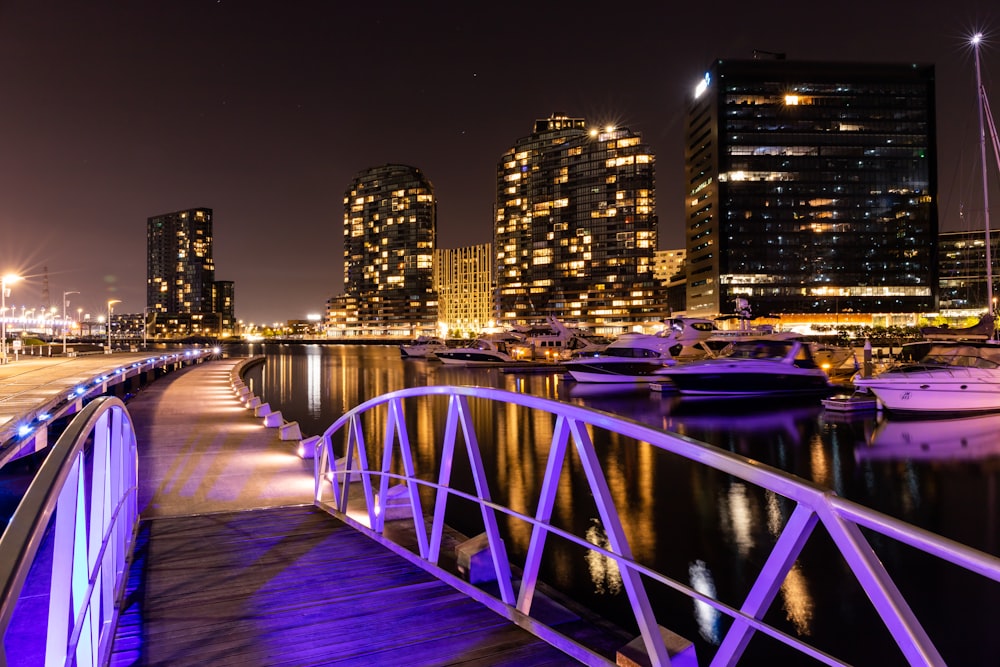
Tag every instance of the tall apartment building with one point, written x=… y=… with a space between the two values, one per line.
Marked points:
x=389 y=238
x=811 y=188
x=575 y=227
x=182 y=295
x=463 y=281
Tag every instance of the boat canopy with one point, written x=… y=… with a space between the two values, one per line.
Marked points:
x=979 y=356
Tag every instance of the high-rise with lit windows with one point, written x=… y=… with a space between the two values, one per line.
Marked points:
x=179 y=265
x=575 y=229
x=463 y=281
x=389 y=239
x=811 y=188
x=182 y=295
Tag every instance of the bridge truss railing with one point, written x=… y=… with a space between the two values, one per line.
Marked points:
x=80 y=512
x=574 y=426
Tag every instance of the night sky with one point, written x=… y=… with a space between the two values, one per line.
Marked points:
x=112 y=112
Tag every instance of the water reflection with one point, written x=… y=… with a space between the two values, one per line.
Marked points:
x=604 y=571
x=709 y=620
x=687 y=521
x=934 y=439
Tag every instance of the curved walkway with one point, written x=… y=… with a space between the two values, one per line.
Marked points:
x=201 y=451
x=235 y=566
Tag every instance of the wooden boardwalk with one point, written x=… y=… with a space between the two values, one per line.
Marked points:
x=235 y=567
x=295 y=586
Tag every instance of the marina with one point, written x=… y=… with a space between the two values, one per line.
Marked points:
x=946 y=495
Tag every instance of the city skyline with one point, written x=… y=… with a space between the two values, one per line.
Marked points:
x=264 y=112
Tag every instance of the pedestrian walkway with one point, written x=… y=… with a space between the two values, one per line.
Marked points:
x=30 y=383
x=235 y=566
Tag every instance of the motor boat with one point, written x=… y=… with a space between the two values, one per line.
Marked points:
x=632 y=357
x=487 y=350
x=953 y=377
x=752 y=368
x=635 y=357
x=424 y=347
x=553 y=342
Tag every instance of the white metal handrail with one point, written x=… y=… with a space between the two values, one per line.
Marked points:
x=814 y=506
x=89 y=482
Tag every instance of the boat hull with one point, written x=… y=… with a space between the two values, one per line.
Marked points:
x=474 y=358
x=610 y=371
x=935 y=396
x=747 y=378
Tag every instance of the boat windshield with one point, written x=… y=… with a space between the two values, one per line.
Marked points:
x=969 y=356
x=760 y=349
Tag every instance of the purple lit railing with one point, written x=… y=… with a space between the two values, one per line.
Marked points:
x=88 y=481
x=842 y=519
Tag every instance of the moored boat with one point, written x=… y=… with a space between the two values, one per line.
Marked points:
x=953 y=377
x=553 y=342
x=487 y=350
x=631 y=358
x=753 y=368
x=424 y=347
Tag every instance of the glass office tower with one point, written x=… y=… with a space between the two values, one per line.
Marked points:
x=389 y=239
x=575 y=229
x=811 y=188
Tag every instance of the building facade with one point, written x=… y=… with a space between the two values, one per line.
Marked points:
x=182 y=296
x=963 y=270
x=463 y=281
x=575 y=227
x=390 y=226
x=811 y=188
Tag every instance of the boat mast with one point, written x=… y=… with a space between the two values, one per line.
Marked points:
x=980 y=94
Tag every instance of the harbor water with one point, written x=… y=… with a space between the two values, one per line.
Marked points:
x=701 y=526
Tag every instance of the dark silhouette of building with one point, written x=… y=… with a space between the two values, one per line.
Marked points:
x=811 y=188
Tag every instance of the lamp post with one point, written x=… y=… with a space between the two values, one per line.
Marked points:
x=145 y=325
x=65 y=303
x=9 y=278
x=111 y=303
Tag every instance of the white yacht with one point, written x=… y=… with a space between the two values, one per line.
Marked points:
x=424 y=347
x=554 y=342
x=487 y=350
x=952 y=377
x=635 y=357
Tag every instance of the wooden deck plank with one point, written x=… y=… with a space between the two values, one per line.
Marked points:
x=295 y=586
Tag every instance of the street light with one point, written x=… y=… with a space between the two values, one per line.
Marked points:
x=145 y=324
x=9 y=278
x=111 y=302
x=65 y=303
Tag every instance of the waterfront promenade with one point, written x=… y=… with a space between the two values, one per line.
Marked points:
x=30 y=383
x=235 y=566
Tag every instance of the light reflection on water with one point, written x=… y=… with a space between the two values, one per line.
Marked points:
x=693 y=523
